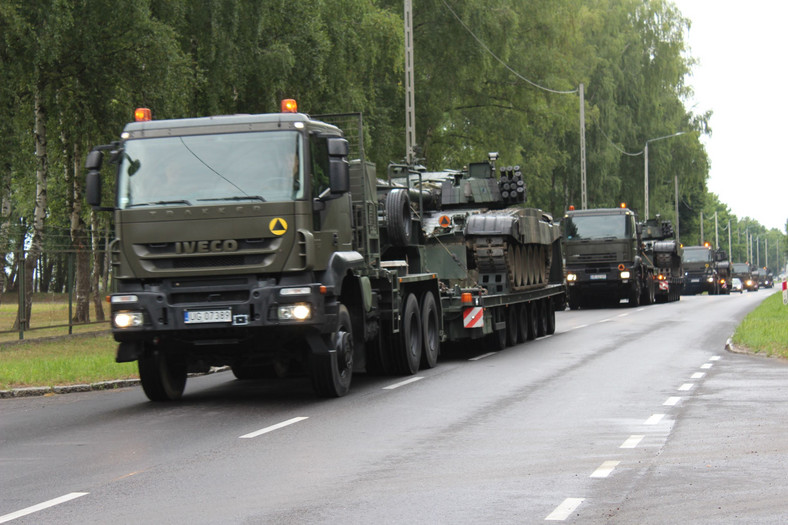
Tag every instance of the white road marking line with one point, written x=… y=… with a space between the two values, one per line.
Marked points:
x=488 y=354
x=622 y=315
x=654 y=419
x=672 y=401
x=605 y=469
x=566 y=508
x=714 y=358
x=403 y=383
x=706 y=366
x=632 y=441
x=272 y=428
x=42 y=506
x=605 y=320
x=686 y=386
x=698 y=375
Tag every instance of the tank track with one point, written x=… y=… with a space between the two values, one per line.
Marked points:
x=526 y=266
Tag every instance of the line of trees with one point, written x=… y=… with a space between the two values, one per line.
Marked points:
x=72 y=71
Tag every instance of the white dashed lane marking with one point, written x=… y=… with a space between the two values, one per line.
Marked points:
x=605 y=469
x=403 y=383
x=272 y=428
x=567 y=507
x=41 y=506
x=632 y=441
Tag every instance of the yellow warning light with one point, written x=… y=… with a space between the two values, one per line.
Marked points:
x=289 y=105
x=142 y=115
x=571 y=207
x=623 y=205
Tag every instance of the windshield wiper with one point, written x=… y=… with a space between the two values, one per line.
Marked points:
x=235 y=198
x=159 y=203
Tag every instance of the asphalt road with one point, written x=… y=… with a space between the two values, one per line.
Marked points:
x=623 y=416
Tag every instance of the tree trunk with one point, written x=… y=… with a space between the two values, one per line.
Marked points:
x=79 y=235
x=39 y=214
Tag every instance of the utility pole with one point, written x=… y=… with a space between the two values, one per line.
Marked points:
x=730 y=245
x=583 y=193
x=410 y=111
x=716 y=232
x=702 y=237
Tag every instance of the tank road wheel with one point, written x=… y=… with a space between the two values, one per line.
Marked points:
x=331 y=373
x=398 y=217
x=549 y=315
x=407 y=353
x=533 y=320
x=511 y=325
x=163 y=377
x=430 y=327
x=522 y=322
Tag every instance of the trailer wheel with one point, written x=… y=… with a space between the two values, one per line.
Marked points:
x=408 y=351
x=398 y=217
x=541 y=318
x=522 y=323
x=549 y=314
x=332 y=372
x=533 y=320
x=430 y=327
x=511 y=325
x=163 y=377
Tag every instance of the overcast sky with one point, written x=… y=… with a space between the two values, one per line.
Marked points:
x=742 y=77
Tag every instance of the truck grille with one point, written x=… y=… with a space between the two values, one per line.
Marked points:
x=250 y=252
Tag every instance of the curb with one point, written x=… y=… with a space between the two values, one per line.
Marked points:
x=34 y=391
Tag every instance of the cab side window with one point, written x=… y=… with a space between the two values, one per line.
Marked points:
x=320 y=181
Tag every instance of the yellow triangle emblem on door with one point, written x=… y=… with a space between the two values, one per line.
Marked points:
x=278 y=226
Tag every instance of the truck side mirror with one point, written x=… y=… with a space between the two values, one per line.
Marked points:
x=338 y=171
x=338 y=176
x=93 y=178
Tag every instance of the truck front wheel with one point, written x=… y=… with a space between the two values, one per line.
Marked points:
x=332 y=372
x=163 y=377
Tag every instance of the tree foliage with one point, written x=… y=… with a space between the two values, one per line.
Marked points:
x=492 y=75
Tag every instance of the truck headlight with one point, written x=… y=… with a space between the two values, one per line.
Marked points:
x=710 y=279
x=295 y=312
x=127 y=319
x=572 y=277
x=625 y=274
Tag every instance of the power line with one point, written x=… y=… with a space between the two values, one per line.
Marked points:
x=515 y=73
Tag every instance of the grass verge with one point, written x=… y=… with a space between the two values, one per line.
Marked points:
x=765 y=329
x=69 y=360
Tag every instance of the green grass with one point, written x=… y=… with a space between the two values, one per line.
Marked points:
x=63 y=361
x=765 y=329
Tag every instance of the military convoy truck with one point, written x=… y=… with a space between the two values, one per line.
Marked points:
x=706 y=270
x=611 y=257
x=259 y=242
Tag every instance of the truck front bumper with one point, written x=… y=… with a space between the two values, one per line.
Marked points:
x=194 y=312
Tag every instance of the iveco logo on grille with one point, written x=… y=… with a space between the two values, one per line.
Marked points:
x=229 y=245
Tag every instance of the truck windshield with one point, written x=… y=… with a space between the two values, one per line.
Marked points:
x=699 y=254
x=185 y=170
x=597 y=227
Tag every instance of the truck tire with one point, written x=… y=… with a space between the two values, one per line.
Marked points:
x=533 y=320
x=634 y=293
x=549 y=316
x=522 y=323
x=163 y=377
x=541 y=318
x=331 y=373
x=407 y=353
x=496 y=340
x=430 y=327
x=398 y=222
x=511 y=325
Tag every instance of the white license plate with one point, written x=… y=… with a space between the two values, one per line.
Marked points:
x=598 y=276
x=695 y=281
x=207 y=316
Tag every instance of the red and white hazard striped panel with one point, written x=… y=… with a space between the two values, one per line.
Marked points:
x=473 y=317
x=664 y=285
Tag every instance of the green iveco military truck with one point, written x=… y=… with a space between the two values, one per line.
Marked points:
x=611 y=257
x=252 y=241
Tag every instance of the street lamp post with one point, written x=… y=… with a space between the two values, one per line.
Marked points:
x=645 y=175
